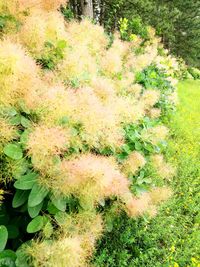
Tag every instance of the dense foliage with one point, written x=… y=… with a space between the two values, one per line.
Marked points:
x=177 y=22
x=82 y=133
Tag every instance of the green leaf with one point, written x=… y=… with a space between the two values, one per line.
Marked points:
x=25 y=122
x=34 y=211
x=140 y=181
x=61 y=44
x=59 y=202
x=3 y=237
x=49 y=44
x=132 y=137
x=138 y=146
x=27 y=181
x=24 y=108
x=51 y=208
x=16 y=120
x=7 y=258
x=35 y=225
x=24 y=137
x=86 y=204
x=11 y=112
x=61 y=217
x=148 y=180
x=20 y=198
x=37 y=195
x=142 y=173
x=22 y=257
x=126 y=149
x=20 y=169
x=13 y=151
x=149 y=147
x=64 y=120
x=109 y=223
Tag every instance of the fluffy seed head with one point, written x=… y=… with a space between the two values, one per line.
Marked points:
x=164 y=169
x=64 y=251
x=83 y=222
x=112 y=62
x=103 y=88
x=160 y=194
x=137 y=206
x=99 y=122
x=91 y=178
x=139 y=62
x=150 y=98
x=154 y=113
x=7 y=131
x=155 y=134
x=55 y=103
x=96 y=40
x=18 y=73
x=136 y=90
x=124 y=84
x=78 y=65
x=48 y=141
x=47 y=5
x=134 y=162
x=128 y=109
x=45 y=144
x=40 y=28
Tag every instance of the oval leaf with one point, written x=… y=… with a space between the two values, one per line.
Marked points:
x=27 y=181
x=59 y=202
x=35 y=225
x=61 y=217
x=37 y=195
x=11 y=112
x=3 y=237
x=20 y=198
x=25 y=122
x=7 y=258
x=16 y=120
x=24 y=108
x=13 y=151
x=34 y=211
x=24 y=138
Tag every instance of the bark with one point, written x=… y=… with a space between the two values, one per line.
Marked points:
x=87 y=8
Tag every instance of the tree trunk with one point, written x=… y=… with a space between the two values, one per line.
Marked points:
x=87 y=8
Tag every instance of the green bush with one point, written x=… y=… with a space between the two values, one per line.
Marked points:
x=194 y=72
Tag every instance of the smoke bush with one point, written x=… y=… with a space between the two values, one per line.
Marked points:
x=76 y=130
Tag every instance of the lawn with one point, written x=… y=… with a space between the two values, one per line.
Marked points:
x=172 y=239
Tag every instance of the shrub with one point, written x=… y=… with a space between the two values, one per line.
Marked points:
x=76 y=134
x=194 y=72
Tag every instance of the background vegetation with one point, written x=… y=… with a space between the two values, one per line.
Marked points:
x=176 y=22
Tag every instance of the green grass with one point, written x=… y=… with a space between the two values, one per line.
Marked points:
x=171 y=239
